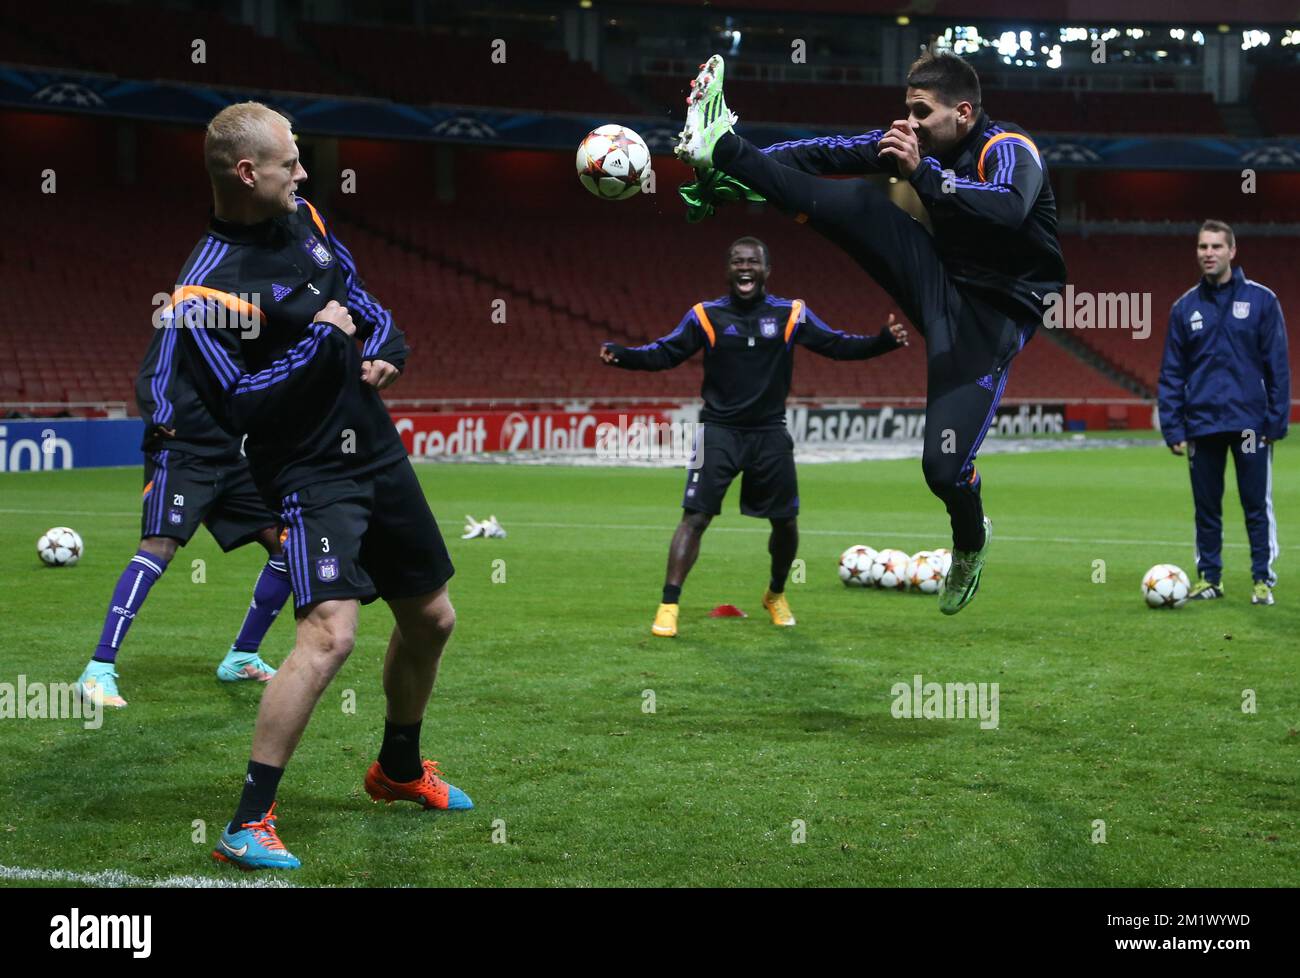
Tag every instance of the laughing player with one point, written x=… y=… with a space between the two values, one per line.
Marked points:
x=976 y=289
x=748 y=338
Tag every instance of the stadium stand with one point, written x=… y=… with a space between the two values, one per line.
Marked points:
x=877 y=105
x=573 y=270
x=1273 y=97
x=154 y=42
x=395 y=63
x=1165 y=266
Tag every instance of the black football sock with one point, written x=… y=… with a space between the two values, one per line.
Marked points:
x=260 y=785
x=782 y=545
x=399 y=755
x=672 y=593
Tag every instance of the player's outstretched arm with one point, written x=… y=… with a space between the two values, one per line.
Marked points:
x=664 y=353
x=814 y=334
x=1012 y=172
x=831 y=155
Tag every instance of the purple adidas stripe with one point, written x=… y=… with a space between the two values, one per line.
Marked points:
x=305 y=575
x=289 y=514
x=836 y=142
x=159 y=493
x=298 y=356
x=217 y=359
x=202 y=266
x=993 y=408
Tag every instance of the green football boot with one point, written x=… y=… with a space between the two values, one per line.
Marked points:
x=963 y=578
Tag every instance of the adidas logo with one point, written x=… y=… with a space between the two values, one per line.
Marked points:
x=1195 y=322
x=731 y=331
x=280 y=291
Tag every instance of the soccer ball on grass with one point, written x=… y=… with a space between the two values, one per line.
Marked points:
x=60 y=547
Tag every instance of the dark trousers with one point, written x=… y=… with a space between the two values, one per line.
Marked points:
x=1207 y=458
x=969 y=344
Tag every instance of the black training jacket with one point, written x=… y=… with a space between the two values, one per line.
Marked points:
x=243 y=316
x=749 y=354
x=994 y=218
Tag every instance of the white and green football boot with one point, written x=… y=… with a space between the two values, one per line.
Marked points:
x=963 y=578
x=707 y=116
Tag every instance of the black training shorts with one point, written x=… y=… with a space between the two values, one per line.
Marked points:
x=765 y=459
x=183 y=492
x=363 y=538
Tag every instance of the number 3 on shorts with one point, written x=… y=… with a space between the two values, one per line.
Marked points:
x=324 y=545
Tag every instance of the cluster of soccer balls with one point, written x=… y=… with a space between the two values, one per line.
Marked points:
x=894 y=570
x=1163 y=586
x=60 y=547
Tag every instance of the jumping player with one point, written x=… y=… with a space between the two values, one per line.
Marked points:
x=975 y=289
x=321 y=442
x=194 y=474
x=748 y=338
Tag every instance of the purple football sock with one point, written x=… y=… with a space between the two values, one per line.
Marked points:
x=132 y=588
x=269 y=595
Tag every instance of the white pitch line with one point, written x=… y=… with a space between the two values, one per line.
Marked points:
x=116 y=879
x=873 y=533
x=70 y=512
x=668 y=527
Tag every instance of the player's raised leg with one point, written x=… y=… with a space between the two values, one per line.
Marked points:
x=961 y=404
x=423 y=626
x=272 y=589
x=326 y=634
x=683 y=551
x=99 y=679
x=707 y=117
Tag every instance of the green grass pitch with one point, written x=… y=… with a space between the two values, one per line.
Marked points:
x=1108 y=711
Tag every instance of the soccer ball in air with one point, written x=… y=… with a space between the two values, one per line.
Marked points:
x=60 y=547
x=1165 y=586
x=925 y=572
x=889 y=569
x=855 y=566
x=612 y=161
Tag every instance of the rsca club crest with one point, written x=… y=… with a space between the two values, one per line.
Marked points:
x=767 y=327
x=327 y=569
x=319 y=253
